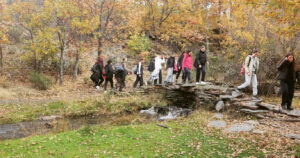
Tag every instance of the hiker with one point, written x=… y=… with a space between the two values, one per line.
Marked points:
x=287 y=75
x=170 y=68
x=157 y=73
x=109 y=73
x=120 y=75
x=150 y=68
x=139 y=73
x=187 y=66
x=200 y=65
x=97 y=76
x=179 y=66
x=251 y=67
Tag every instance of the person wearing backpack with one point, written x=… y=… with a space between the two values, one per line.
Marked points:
x=120 y=74
x=150 y=68
x=170 y=68
x=109 y=72
x=187 y=66
x=179 y=66
x=139 y=74
x=200 y=65
x=97 y=76
x=251 y=66
x=287 y=74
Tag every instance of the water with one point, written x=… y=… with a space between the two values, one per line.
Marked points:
x=25 y=129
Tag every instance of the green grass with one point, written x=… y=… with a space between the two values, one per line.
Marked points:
x=183 y=139
x=14 y=113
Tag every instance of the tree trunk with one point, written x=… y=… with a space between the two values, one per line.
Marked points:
x=61 y=68
x=75 y=75
x=1 y=57
x=99 y=46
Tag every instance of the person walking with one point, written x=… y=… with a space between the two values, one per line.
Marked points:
x=170 y=69
x=200 y=65
x=97 y=76
x=287 y=75
x=109 y=72
x=139 y=74
x=251 y=65
x=150 y=68
x=187 y=66
x=120 y=74
x=157 y=73
x=179 y=66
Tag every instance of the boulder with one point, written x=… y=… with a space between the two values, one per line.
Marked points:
x=220 y=105
x=217 y=124
x=235 y=128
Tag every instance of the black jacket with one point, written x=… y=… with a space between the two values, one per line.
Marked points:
x=170 y=62
x=109 y=71
x=137 y=70
x=179 y=61
x=283 y=70
x=201 y=58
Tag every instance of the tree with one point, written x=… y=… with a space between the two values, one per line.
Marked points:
x=3 y=29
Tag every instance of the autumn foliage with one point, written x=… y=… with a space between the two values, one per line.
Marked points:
x=50 y=30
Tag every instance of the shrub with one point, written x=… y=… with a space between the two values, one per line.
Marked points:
x=40 y=81
x=139 y=43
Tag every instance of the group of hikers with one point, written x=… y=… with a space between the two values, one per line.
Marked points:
x=287 y=72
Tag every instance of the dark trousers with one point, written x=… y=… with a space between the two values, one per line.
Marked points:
x=178 y=74
x=139 y=78
x=97 y=79
x=120 y=84
x=287 y=89
x=159 y=78
x=111 y=83
x=187 y=74
x=199 y=71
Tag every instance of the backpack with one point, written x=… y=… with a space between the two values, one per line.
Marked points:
x=94 y=68
x=119 y=67
x=243 y=70
x=151 y=66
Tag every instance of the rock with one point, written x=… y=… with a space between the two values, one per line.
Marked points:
x=244 y=127
x=249 y=105
x=150 y=112
x=293 y=136
x=269 y=106
x=189 y=85
x=218 y=116
x=220 y=105
x=226 y=97
x=259 y=116
x=252 y=122
x=259 y=132
x=253 y=111
x=49 y=118
x=217 y=124
x=235 y=94
x=295 y=113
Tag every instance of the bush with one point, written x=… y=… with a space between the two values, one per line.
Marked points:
x=40 y=81
x=139 y=43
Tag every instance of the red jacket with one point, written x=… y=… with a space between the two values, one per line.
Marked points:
x=187 y=61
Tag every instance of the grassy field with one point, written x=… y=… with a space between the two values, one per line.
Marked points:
x=186 y=137
x=13 y=113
